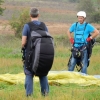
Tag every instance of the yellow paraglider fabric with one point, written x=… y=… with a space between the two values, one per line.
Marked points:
x=54 y=77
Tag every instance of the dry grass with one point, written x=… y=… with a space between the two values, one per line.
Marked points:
x=65 y=92
x=62 y=92
x=62 y=54
x=10 y=65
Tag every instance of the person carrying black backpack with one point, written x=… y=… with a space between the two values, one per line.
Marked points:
x=38 y=53
x=83 y=34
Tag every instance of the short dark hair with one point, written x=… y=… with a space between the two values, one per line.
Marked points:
x=34 y=12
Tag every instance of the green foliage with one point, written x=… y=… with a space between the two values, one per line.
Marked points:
x=86 y=5
x=98 y=40
x=97 y=4
x=17 y=22
x=1 y=9
x=67 y=92
x=96 y=17
x=10 y=46
x=61 y=40
x=96 y=14
x=92 y=9
x=73 y=1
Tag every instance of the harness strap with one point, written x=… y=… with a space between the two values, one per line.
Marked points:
x=83 y=32
x=84 y=27
x=80 y=64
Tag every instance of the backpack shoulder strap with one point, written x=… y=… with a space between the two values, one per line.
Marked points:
x=34 y=27
x=84 y=27
x=76 y=24
x=42 y=26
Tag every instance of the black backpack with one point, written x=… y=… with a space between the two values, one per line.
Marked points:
x=89 y=47
x=39 y=50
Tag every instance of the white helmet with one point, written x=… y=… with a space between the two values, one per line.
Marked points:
x=81 y=13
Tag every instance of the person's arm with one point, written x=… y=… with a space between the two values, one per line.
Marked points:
x=94 y=34
x=24 y=35
x=71 y=30
x=69 y=34
x=24 y=40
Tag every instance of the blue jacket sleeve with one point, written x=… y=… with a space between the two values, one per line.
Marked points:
x=72 y=28
x=90 y=28
x=26 y=30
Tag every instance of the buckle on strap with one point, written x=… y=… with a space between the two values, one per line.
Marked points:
x=83 y=48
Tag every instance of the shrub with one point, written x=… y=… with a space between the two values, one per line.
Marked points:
x=1 y=9
x=88 y=7
x=61 y=40
x=96 y=17
x=17 y=22
x=73 y=1
x=91 y=8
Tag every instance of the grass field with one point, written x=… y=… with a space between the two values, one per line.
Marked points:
x=10 y=62
x=58 y=15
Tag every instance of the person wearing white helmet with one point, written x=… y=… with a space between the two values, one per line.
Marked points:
x=83 y=33
x=81 y=13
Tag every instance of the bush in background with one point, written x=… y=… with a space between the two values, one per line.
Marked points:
x=73 y=1
x=1 y=9
x=91 y=8
x=88 y=7
x=17 y=22
x=96 y=17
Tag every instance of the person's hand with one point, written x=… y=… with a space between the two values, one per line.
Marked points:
x=71 y=40
x=89 y=39
x=22 y=49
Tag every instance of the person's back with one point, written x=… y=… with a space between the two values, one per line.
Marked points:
x=39 y=50
x=32 y=34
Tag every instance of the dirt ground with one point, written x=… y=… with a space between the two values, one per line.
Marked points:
x=54 y=28
x=50 y=7
x=5 y=28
